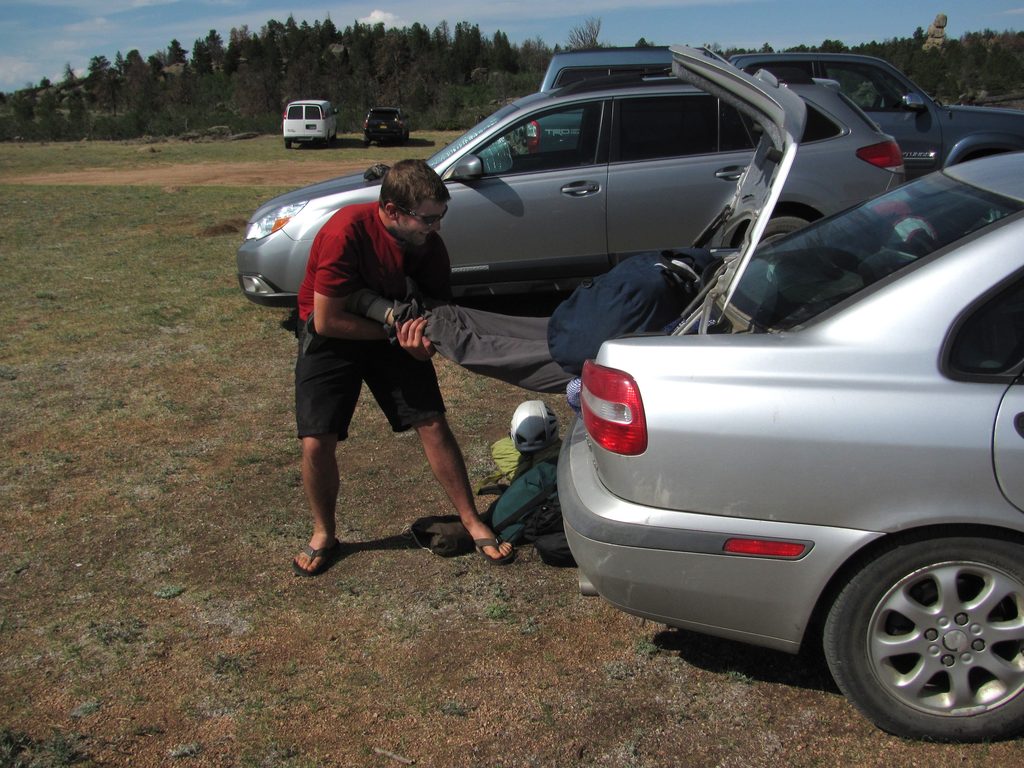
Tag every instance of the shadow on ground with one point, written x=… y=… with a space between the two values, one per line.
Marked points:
x=807 y=670
x=345 y=142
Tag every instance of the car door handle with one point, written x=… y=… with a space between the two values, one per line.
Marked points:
x=1018 y=424
x=581 y=188
x=730 y=173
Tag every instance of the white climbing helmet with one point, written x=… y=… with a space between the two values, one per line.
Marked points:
x=534 y=426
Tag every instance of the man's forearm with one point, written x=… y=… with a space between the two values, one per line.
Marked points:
x=330 y=318
x=343 y=325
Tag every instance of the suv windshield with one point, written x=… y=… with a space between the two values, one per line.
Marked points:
x=439 y=157
x=792 y=280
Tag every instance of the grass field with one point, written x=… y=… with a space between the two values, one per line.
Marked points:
x=36 y=157
x=150 y=503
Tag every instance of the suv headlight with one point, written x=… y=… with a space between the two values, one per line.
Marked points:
x=273 y=221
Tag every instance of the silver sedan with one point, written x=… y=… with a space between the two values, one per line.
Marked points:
x=830 y=451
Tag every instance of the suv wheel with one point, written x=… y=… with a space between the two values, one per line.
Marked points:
x=928 y=639
x=782 y=225
x=287 y=144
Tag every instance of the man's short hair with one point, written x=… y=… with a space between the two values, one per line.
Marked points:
x=409 y=182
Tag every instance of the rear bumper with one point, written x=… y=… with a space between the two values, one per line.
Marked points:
x=383 y=135
x=670 y=567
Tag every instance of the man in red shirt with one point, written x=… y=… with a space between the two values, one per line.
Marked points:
x=376 y=246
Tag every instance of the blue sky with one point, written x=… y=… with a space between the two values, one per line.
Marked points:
x=39 y=37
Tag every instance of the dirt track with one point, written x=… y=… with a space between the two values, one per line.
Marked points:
x=267 y=174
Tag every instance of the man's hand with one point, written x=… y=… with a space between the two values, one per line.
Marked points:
x=411 y=339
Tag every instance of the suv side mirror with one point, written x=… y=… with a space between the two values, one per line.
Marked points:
x=913 y=102
x=469 y=167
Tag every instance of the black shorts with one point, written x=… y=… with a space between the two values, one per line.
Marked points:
x=329 y=376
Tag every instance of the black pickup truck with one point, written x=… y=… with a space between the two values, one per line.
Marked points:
x=931 y=135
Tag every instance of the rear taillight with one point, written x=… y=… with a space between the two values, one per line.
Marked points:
x=613 y=412
x=532 y=136
x=885 y=154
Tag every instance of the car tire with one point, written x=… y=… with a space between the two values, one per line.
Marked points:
x=927 y=639
x=287 y=144
x=782 y=225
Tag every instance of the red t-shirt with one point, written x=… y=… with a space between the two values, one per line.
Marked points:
x=353 y=250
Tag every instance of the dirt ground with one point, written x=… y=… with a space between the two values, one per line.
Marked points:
x=268 y=174
x=152 y=501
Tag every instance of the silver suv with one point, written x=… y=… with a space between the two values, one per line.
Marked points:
x=559 y=186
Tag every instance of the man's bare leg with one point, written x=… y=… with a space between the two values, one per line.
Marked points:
x=321 y=482
x=449 y=467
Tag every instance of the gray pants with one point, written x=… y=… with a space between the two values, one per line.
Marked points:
x=505 y=347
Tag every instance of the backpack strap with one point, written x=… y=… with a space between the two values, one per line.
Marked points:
x=538 y=500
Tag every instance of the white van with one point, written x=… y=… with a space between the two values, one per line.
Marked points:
x=310 y=121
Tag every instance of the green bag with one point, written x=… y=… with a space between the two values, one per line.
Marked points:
x=529 y=507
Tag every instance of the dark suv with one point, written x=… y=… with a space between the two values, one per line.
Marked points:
x=385 y=124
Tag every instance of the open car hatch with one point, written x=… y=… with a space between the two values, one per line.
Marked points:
x=780 y=115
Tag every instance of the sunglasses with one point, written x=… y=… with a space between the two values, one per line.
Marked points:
x=429 y=219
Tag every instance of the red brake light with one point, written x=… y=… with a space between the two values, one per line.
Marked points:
x=885 y=154
x=612 y=410
x=765 y=548
x=532 y=136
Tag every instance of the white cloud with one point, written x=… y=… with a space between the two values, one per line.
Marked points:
x=95 y=26
x=18 y=72
x=386 y=18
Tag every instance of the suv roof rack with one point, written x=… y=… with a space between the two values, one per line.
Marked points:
x=601 y=82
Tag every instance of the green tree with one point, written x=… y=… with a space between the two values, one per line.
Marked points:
x=101 y=83
x=140 y=88
x=214 y=48
x=52 y=123
x=202 y=62
x=176 y=54
x=833 y=46
x=467 y=49
x=70 y=78
x=503 y=57
x=78 y=115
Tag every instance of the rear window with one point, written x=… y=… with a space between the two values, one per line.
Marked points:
x=304 y=112
x=792 y=280
x=818 y=127
x=383 y=114
x=991 y=341
x=571 y=75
